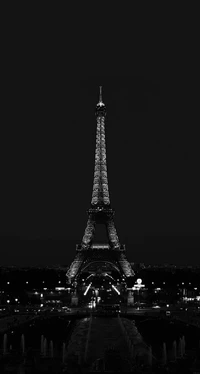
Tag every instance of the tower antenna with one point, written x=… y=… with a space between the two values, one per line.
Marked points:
x=100 y=94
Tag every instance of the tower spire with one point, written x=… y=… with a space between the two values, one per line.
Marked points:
x=100 y=103
x=100 y=95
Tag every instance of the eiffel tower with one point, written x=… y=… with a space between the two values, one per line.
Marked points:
x=100 y=213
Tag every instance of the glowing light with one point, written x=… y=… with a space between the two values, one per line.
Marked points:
x=8 y=282
x=8 y=301
x=107 y=275
x=138 y=285
x=89 y=276
x=41 y=295
x=116 y=289
x=88 y=287
x=16 y=299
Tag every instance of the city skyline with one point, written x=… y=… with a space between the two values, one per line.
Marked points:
x=99 y=215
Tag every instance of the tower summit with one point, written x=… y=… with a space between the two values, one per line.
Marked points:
x=100 y=107
x=100 y=97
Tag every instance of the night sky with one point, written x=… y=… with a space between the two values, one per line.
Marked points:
x=48 y=144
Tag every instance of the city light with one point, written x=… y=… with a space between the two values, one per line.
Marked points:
x=191 y=298
x=86 y=291
x=107 y=261
x=107 y=275
x=138 y=285
x=89 y=276
x=115 y=289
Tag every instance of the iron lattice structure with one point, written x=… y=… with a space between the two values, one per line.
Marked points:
x=100 y=212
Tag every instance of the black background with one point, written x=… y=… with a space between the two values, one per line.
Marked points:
x=53 y=64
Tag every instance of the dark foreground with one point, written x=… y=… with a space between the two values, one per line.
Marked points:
x=63 y=344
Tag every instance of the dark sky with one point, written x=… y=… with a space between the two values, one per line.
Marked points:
x=48 y=143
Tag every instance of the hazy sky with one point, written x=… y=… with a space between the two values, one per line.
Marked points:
x=48 y=144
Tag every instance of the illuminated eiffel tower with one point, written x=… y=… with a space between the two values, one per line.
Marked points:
x=100 y=213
